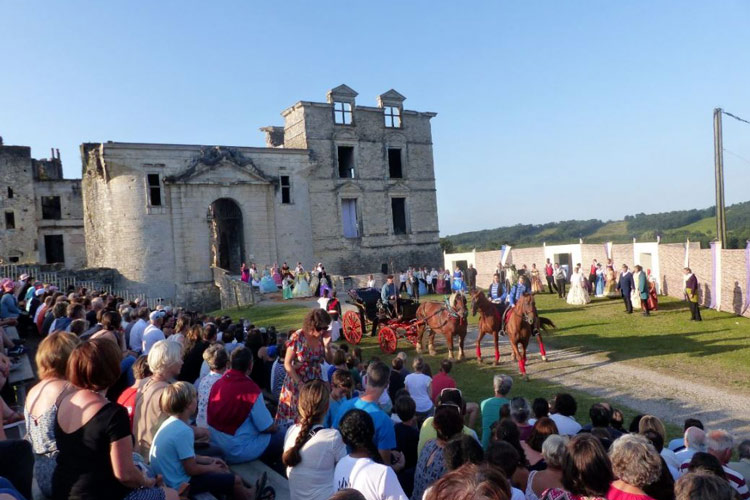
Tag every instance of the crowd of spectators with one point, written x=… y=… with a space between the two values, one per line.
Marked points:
x=141 y=403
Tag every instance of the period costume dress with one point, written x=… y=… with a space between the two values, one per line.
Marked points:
x=440 y=287
x=307 y=362
x=599 y=282
x=635 y=295
x=577 y=295
x=458 y=281
x=653 y=300
x=536 y=281
x=245 y=274
x=267 y=284
x=301 y=286
x=610 y=283
x=276 y=275
x=286 y=287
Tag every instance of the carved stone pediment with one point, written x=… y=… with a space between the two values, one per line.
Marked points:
x=349 y=187
x=220 y=165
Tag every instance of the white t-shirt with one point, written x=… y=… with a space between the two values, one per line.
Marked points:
x=516 y=494
x=566 y=426
x=151 y=335
x=323 y=302
x=375 y=481
x=418 y=385
x=312 y=478
x=370 y=283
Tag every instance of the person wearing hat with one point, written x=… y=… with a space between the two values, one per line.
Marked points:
x=153 y=333
x=23 y=285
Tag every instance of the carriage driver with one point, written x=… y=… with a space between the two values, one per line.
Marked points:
x=389 y=295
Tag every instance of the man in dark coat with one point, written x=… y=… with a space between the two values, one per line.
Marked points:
x=625 y=285
x=471 y=277
x=691 y=294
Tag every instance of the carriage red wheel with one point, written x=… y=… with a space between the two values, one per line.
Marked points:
x=352 y=327
x=387 y=339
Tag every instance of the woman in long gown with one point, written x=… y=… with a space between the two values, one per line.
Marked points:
x=635 y=295
x=653 y=300
x=536 y=281
x=610 y=283
x=458 y=280
x=245 y=273
x=577 y=295
x=286 y=287
x=440 y=287
x=276 y=275
x=301 y=286
x=599 y=281
x=267 y=284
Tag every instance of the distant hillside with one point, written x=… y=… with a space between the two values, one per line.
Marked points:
x=673 y=227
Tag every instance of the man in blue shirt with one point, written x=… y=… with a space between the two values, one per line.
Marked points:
x=389 y=295
x=378 y=375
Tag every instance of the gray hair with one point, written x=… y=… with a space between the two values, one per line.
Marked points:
x=719 y=440
x=502 y=383
x=164 y=354
x=635 y=460
x=125 y=312
x=702 y=485
x=695 y=439
x=519 y=409
x=554 y=450
x=743 y=450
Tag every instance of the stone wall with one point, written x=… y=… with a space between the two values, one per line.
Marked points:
x=733 y=283
x=233 y=293
x=19 y=243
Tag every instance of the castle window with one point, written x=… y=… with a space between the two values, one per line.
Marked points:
x=154 y=190
x=394 y=163
x=349 y=218
x=398 y=211
x=53 y=248
x=51 y=208
x=342 y=113
x=10 y=192
x=286 y=190
x=346 y=162
x=10 y=220
x=392 y=116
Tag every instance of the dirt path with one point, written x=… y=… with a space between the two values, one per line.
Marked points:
x=669 y=398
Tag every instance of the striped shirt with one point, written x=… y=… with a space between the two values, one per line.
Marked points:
x=735 y=479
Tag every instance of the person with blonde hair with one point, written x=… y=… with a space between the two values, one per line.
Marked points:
x=471 y=482
x=636 y=464
x=311 y=452
x=652 y=423
x=172 y=452
x=218 y=361
x=40 y=410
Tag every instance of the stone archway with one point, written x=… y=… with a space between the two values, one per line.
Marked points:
x=227 y=235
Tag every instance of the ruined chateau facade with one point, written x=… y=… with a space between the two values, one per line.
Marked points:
x=42 y=214
x=347 y=185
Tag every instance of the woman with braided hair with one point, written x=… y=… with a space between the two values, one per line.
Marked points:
x=310 y=451
x=362 y=469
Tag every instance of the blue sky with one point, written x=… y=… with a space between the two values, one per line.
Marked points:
x=546 y=110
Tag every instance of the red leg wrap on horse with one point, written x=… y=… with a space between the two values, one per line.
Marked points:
x=497 y=355
x=479 y=351
x=541 y=348
x=522 y=366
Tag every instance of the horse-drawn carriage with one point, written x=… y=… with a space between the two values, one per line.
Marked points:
x=389 y=325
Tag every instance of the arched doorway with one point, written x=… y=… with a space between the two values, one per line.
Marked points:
x=227 y=238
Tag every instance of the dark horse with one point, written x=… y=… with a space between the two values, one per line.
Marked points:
x=490 y=323
x=448 y=319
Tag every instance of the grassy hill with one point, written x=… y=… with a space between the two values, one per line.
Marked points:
x=673 y=227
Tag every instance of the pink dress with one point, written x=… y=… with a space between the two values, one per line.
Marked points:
x=617 y=494
x=276 y=276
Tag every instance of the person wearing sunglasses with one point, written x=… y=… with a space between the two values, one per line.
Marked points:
x=452 y=398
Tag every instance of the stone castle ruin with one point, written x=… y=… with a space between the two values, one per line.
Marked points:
x=347 y=185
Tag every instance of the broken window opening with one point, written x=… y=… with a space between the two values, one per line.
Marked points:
x=346 y=162
x=342 y=113
x=10 y=192
x=398 y=209
x=394 y=163
x=10 y=220
x=286 y=190
x=349 y=218
x=154 y=190
x=51 y=208
x=392 y=116
x=54 y=248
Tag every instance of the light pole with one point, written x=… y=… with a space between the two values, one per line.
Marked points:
x=721 y=226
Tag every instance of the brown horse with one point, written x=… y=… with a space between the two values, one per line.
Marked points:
x=489 y=321
x=448 y=319
x=519 y=326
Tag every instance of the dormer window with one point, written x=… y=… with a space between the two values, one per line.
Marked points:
x=392 y=116
x=342 y=113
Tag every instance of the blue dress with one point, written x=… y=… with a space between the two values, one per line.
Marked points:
x=267 y=284
x=458 y=281
x=599 y=284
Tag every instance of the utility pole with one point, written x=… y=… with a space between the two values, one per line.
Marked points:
x=721 y=225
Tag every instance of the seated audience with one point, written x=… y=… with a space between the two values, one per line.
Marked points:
x=695 y=441
x=173 y=456
x=407 y=439
x=652 y=423
x=419 y=386
x=563 y=413
x=128 y=397
x=587 y=471
x=520 y=413
x=95 y=459
x=505 y=457
x=310 y=450
x=490 y=408
x=362 y=469
x=396 y=382
x=636 y=465
x=196 y=343
x=342 y=390
x=442 y=380
x=460 y=450
x=540 y=408
x=662 y=488
x=678 y=444
x=447 y=397
x=706 y=462
x=42 y=403
x=240 y=424
x=720 y=444
x=743 y=464
x=448 y=422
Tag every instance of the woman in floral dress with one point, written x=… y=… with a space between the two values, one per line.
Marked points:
x=306 y=350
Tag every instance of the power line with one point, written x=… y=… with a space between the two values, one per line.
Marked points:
x=737 y=155
x=735 y=117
